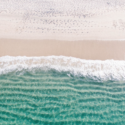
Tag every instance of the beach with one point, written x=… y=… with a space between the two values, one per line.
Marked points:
x=90 y=50
x=93 y=30
x=62 y=62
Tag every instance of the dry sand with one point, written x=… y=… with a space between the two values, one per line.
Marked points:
x=78 y=23
x=92 y=50
x=63 y=19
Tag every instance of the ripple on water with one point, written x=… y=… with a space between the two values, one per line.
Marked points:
x=48 y=97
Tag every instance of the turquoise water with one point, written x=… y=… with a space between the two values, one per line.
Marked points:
x=51 y=97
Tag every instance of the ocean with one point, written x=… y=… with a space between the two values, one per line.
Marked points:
x=59 y=90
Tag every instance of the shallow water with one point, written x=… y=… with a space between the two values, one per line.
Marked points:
x=53 y=97
x=61 y=90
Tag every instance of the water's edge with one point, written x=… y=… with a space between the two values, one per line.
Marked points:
x=94 y=69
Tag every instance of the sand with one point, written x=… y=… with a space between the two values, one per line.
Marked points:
x=87 y=29
x=91 y=50
x=63 y=19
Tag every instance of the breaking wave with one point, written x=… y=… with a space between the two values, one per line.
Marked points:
x=61 y=90
x=94 y=69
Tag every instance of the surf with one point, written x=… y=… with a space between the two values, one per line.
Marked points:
x=94 y=69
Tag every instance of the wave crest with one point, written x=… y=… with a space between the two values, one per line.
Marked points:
x=96 y=70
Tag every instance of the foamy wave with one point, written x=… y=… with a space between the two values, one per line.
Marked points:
x=97 y=70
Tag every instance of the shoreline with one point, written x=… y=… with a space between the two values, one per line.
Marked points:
x=84 y=49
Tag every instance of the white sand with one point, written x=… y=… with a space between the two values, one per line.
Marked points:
x=63 y=19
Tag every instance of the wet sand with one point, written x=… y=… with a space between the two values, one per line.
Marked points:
x=92 y=50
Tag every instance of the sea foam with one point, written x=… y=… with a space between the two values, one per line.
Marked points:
x=94 y=69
